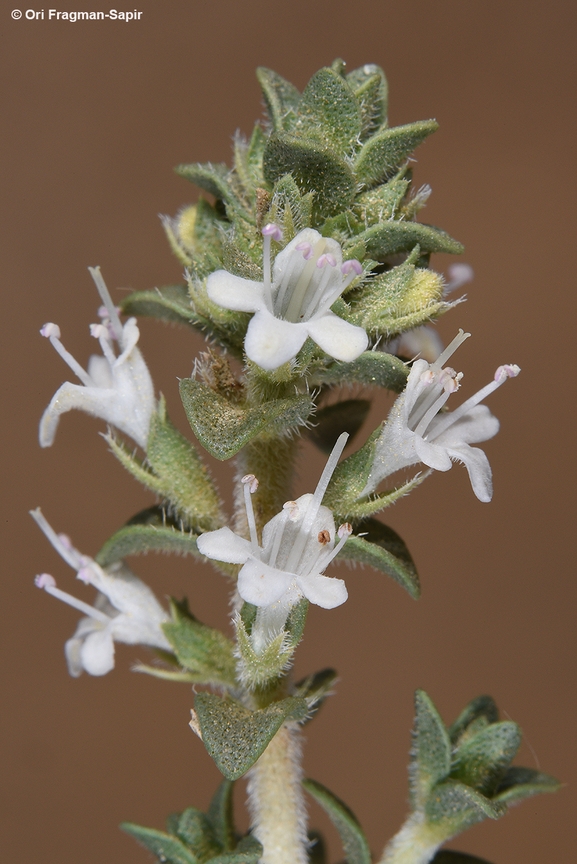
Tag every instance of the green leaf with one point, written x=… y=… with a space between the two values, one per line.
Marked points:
x=280 y=96
x=329 y=111
x=200 y=649
x=431 y=751
x=289 y=208
x=519 y=783
x=371 y=369
x=383 y=549
x=476 y=716
x=223 y=427
x=352 y=836
x=248 y=851
x=448 y=856
x=142 y=539
x=214 y=179
x=195 y=830
x=166 y=848
x=331 y=421
x=171 y=304
x=316 y=687
x=315 y=167
x=382 y=202
x=234 y=736
x=452 y=807
x=391 y=237
x=481 y=761
x=220 y=815
x=383 y=153
x=370 y=87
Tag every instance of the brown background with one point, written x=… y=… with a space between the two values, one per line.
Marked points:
x=95 y=116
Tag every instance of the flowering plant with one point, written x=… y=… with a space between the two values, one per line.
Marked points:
x=308 y=272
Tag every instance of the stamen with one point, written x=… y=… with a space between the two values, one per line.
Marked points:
x=102 y=333
x=286 y=515
x=351 y=266
x=115 y=322
x=450 y=349
x=306 y=249
x=325 y=259
x=298 y=293
x=324 y=537
x=344 y=532
x=68 y=552
x=48 y=584
x=432 y=412
x=52 y=332
x=250 y=484
x=315 y=502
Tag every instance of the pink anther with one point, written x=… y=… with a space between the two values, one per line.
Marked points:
x=45 y=580
x=49 y=330
x=306 y=249
x=351 y=266
x=507 y=371
x=327 y=258
x=345 y=530
x=250 y=481
x=272 y=230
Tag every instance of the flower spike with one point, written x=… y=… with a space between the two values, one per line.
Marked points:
x=118 y=389
x=308 y=276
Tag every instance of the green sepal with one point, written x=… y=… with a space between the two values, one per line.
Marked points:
x=370 y=87
x=258 y=670
x=383 y=549
x=195 y=830
x=248 y=612
x=170 y=303
x=220 y=815
x=223 y=428
x=454 y=807
x=382 y=202
x=289 y=209
x=519 y=783
x=371 y=369
x=185 y=478
x=316 y=687
x=201 y=650
x=296 y=620
x=213 y=178
x=157 y=532
x=248 y=851
x=430 y=753
x=474 y=717
x=315 y=167
x=332 y=420
x=234 y=736
x=350 y=478
x=352 y=836
x=329 y=111
x=391 y=237
x=280 y=96
x=482 y=760
x=381 y=155
x=448 y=856
x=166 y=847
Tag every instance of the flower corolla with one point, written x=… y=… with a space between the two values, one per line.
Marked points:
x=297 y=546
x=417 y=430
x=125 y=609
x=308 y=276
x=117 y=389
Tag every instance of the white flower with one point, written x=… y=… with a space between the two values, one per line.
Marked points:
x=308 y=277
x=297 y=545
x=416 y=431
x=116 y=389
x=125 y=610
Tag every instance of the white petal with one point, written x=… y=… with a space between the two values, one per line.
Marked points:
x=97 y=653
x=262 y=585
x=432 y=455
x=99 y=371
x=270 y=342
x=127 y=594
x=282 y=260
x=72 y=652
x=233 y=292
x=224 y=545
x=323 y=591
x=336 y=337
x=478 y=424
x=477 y=465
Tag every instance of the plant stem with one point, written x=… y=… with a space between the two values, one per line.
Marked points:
x=416 y=843
x=275 y=800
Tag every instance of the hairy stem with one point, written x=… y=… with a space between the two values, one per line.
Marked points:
x=416 y=843
x=271 y=460
x=276 y=801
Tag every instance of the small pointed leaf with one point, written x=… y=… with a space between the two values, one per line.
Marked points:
x=200 y=649
x=452 y=807
x=167 y=848
x=519 y=783
x=142 y=539
x=234 y=736
x=316 y=687
x=352 y=835
x=431 y=751
x=389 y=238
x=220 y=815
x=482 y=708
x=371 y=369
x=171 y=304
x=248 y=851
x=383 y=549
x=195 y=831
x=214 y=179
x=280 y=96
x=481 y=761
x=448 y=856
x=370 y=87
x=383 y=153
x=329 y=111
